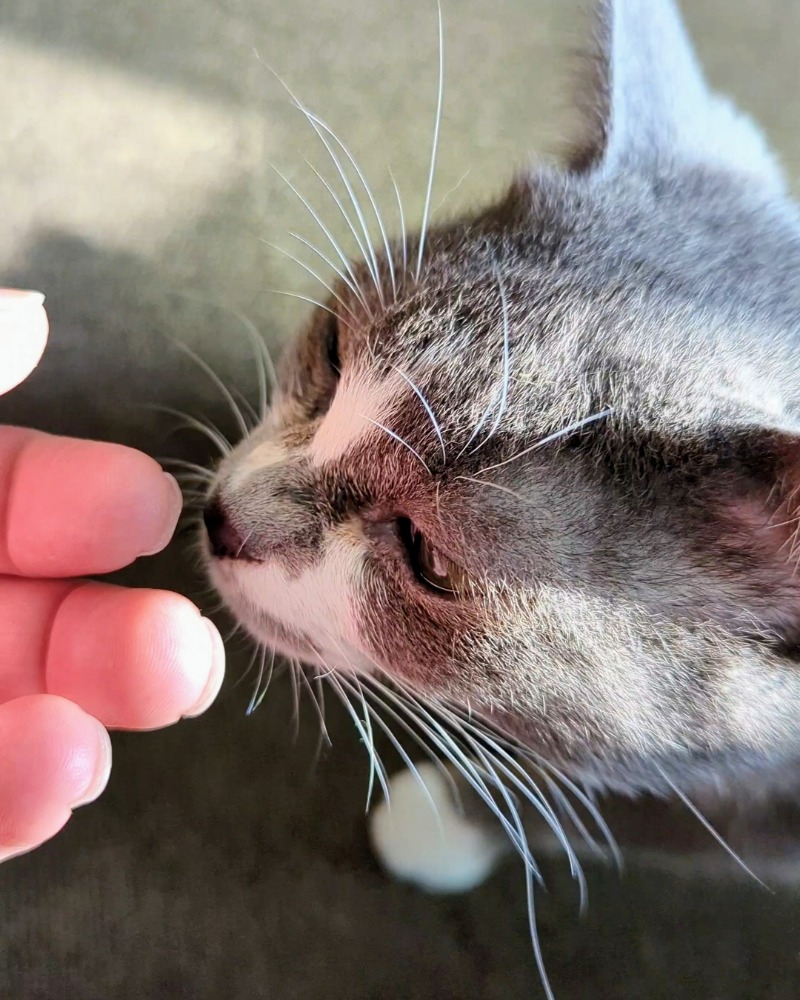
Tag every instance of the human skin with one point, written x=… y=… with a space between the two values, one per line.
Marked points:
x=80 y=657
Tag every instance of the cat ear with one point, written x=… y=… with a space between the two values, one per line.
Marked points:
x=649 y=105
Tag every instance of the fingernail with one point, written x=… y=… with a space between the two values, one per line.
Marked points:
x=17 y=298
x=102 y=769
x=175 y=508
x=215 y=675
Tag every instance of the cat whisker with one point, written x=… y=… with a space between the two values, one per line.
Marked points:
x=405 y=444
x=525 y=785
x=224 y=390
x=246 y=539
x=353 y=231
x=208 y=430
x=325 y=229
x=364 y=729
x=503 y=401
x=711 y=830
x=331 y=264
x=453 y=189
x=495 y=486
x=192 y=485
x=323 y=729
x=428 y=409
x=320 y=128
x=481 y=742
x=434 y=146
x=294 y=667
x=315 y=119
x=199 y=470
x=402 y=754
x=314 y=274
x=545 y=768
x=252 y=661
x=261 y=685
x=318 y=125
x=367 y=722
x=402 y=218
x=513 y=826
x=266 y=368
x=387 y=709
x=303 y=298
x=556 y=436
x=439 y=738
x=233 y=631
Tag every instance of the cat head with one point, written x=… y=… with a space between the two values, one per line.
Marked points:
x=542 y=462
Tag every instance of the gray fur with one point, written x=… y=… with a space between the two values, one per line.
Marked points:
x=633 y=611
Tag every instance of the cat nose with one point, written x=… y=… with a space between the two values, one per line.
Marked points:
x=223 y=537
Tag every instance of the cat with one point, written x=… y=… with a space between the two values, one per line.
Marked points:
x=529 y=488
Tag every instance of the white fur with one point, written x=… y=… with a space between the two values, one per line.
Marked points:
x=317 y=604
x=661 y=105
x=264 y=455
x=358 y=402
x=440 y=850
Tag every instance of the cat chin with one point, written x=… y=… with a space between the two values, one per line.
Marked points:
x=236 y=592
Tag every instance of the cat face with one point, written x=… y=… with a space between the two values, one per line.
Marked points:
x=540 y=462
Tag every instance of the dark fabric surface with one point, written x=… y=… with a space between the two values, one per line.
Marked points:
x=222 y=862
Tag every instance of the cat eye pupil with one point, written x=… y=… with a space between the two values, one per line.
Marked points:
x=431 y=568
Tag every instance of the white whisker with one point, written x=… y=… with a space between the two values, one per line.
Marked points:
x=365 y=732
x=258 y=341
x=433 y=730
x=199 y=470
x=402 y=217
x=314 y=274
x=303 y=675
x=226 y=393
x=327 y=260
x=315 y=119
x=494 y=486
x=257 y=696
x=303 y=298
x=208 y=430
x=435 y=146
x=501 y=408
x=370 y=258
x=294 y=666
x=428 y=409
x=318 y=219
x=569 y=429
x=714 y=833
x=397 y=437
x=362 y=246
x=401 y=752
x=453 y=189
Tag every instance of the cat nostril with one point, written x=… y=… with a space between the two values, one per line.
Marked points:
x=224 y=539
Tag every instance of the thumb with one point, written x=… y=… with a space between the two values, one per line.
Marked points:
x=23 y=335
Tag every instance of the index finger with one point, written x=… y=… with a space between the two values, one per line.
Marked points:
x=23 y=335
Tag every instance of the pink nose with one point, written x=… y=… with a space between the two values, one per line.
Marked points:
x=224 y=539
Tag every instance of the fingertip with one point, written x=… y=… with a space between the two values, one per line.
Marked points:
x=170 y=506
x=102 y=768
x=216 y=673
x=135 y=659
x=55 y=758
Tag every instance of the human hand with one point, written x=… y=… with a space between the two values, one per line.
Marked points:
x=78 y=656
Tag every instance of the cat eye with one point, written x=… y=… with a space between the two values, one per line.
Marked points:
x=331 y=345
x=433 y=569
